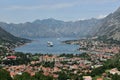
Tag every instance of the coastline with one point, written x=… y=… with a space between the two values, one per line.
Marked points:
x=21 y=44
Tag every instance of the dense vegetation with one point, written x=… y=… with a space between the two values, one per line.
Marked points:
x=4 y=75
x=106 y=40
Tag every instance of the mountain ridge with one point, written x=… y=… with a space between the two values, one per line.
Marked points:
x=108 y=26
x=52 y=28
x=111 y=26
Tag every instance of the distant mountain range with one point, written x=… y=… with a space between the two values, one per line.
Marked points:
x=52 y=28
x=109 y=26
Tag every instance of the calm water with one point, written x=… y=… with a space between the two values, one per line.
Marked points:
x=40 y=46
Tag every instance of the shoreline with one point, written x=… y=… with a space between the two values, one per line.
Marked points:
x=20 y=45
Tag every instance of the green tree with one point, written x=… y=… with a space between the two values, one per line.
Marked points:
x=4 y=75
x=63 y=76
x=116 y=77
x=40 y=76
x=24 y=76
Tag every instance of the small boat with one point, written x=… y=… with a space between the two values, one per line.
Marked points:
x=50 y=44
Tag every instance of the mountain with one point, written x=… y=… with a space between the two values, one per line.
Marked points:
x=108 y=26
x=7 y=37
x=111 y=26
x=53 y=28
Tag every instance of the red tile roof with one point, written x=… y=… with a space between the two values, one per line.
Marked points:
x=11 y=57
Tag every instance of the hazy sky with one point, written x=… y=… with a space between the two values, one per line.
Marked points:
x=17 y=11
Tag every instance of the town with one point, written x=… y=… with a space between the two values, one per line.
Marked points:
x=72 y=66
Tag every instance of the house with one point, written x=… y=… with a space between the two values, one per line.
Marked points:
x=87 y=78
x=114 y=71
x=11 y=57
x=99 y=79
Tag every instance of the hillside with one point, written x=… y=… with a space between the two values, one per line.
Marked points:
x=7 y=37
x=111 y=26
x=53 y=28
x=108 y=66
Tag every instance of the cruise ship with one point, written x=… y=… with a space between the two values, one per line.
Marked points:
x=50 y=44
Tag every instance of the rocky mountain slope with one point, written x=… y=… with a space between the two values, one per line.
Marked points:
x=111 y=26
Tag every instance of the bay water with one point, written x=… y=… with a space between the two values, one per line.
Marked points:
x=40 y=45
